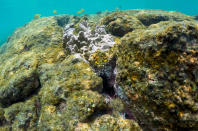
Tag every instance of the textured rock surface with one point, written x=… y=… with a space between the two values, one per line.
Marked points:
x=22 y=55
x=126 y=70
x=148 y=17
x=159 y=71
x=87 y=41
x=120 y=23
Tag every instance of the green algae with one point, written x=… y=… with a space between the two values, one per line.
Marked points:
x=155 y=55
x=69 y=76
x=120 y=23
x=149 y=72
x=22 y=115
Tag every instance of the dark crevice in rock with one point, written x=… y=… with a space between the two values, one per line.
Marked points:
x=149 y=20
x=34 y=92
x=61 y=106
x=27 y=47
x=37 y=110
x=37 y=105
x=3 y=122
x=25 y=126
x=97 y=113
x=107 y=88
x=108 y=75
x=128 y=114
x=22 y=97
x=62 y=20
x=111 y=91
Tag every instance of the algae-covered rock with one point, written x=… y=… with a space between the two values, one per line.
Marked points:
x=70 y=95
x=37 y=34
x=23 y=115
x=22 y=55
x=61 y=79
x=148 y=17
x=109 y=123
x=18 y=78
x=158 y=71
x=29 y=47
x=120 y=23
x=124 y=70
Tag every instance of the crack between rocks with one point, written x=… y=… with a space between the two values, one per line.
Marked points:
x=110 y=88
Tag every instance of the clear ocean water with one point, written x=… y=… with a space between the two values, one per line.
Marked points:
x=16 y=13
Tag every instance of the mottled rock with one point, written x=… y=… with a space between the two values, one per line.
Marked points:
x=120 y=23
x=23 y=115
x=59 y=80
x=110 y=71
x=29 y=47
x=109 y=123
x=70 y=95
x=158 y=71
x=148 y=17
x=19 y=80
x=22 y=55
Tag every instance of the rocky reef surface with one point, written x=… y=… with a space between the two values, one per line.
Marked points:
x=128 y=70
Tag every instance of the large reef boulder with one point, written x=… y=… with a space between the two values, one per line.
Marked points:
x=21 y=56
x=148 y=17
x=124 y=70
x=60 y=80
x=158 y=71
x=18 y=78
x=120 y=23
x=44 y=87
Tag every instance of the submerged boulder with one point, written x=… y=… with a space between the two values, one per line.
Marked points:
x=22 y=115
x=158 y=72
x=120 y=23
x=43 y=86
x=22 y=55
x=18 y=78
x=148 y=17
x=60 y=80
x=123 y=70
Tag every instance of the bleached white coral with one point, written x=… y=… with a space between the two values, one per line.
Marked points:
x=86 y=41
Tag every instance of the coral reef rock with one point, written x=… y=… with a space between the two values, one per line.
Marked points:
x=120 y=23
x=87 y=41
x=158 y=72
x=127 y=70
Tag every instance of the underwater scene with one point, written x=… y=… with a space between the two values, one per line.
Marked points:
x=99 y=65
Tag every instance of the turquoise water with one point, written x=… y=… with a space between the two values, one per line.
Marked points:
x=15 y=13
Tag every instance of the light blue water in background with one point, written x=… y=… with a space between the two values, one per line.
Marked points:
x=16 y=13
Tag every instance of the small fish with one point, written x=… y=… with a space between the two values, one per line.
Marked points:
x=36 y=16
x=80 y=11
x=54 y=11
